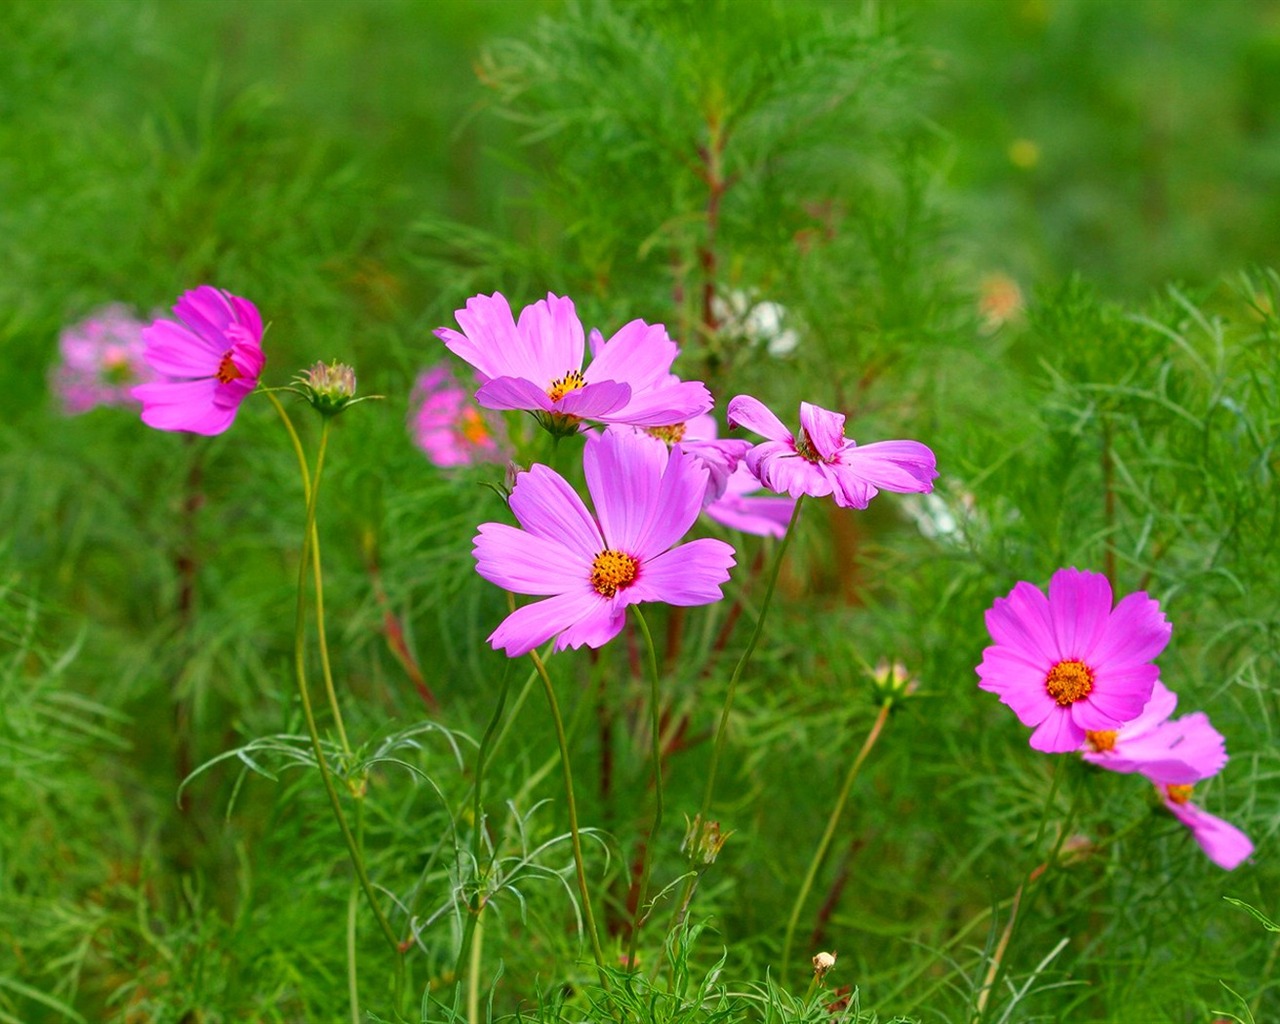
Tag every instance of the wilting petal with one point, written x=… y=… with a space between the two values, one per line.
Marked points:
x=745 y=411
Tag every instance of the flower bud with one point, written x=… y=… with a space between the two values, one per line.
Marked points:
x=891 y=682
x=822 y=963
x=703 y=842
x=329 y=389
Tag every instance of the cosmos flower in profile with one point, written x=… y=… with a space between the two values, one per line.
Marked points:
x=820 y=461
x=446 y=426
x=1182 y=751
x=1069 y=664
x=212 y=357
x=536 y=364
x=100 y=361
x=590 y=568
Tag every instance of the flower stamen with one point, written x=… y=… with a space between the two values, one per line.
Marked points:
x=227 y=371
x=1179 y=793
x=561 y=386
x=1069 y=681
x=673 y=434
x=612 y=571
x=805 y=448
x=1102 y=741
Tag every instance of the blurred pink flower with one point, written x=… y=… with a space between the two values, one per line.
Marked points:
x=590 y=568
x=101 y=361
x=1069 y=664
x=1222 y=842
x=213 y=355
x=536 y=365
x=1181 y=751
x=821 y=462
x=445 y=425
x=742 y=507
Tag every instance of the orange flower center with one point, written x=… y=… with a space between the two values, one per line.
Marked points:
x=561 y=386
x=1069 y=681
x=613 y=571
x=1102 y=741
x=673 y=434
x=473 y=428
x=1179 y=794
x=227 y=370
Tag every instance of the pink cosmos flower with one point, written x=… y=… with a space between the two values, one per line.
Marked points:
x=214 y=355
x=535 y=364
x=1069 y=664
x=1182 y=751
x=820 y=461
x=590 y=568
x=445 y=425
x=1222 y=842
x=102 y=360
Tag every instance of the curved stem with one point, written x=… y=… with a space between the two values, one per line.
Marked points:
x=700 y=822
x=312 y=484
x=830 y=832
x=655 y=727
x=575 y=836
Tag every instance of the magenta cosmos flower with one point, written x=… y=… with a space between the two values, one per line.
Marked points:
x=1069 y=664
x=535 y=364
x=820 y=461
x=213 y=355
x=101 y=361
x=590 y=568
x=1182 y=751
x=446 y=426
x=1222 y=842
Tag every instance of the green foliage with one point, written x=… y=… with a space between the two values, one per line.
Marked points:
x=838 y=174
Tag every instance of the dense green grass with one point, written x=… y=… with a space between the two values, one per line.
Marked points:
x=358 y=170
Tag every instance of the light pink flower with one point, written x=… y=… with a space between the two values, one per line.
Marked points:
x=1222 y=842
x=213 y=355
x=445 y=425
x=590 y=568
x=101 y=360
x=820 y=461
x=1181 y=751
x=535 y=364
x=1069 y=663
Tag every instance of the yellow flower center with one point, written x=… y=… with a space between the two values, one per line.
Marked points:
x=227 y=370
x=561 y=386
x=1179 y=794
x=1102 y=741
x=673 y=434
x=613 y=571
x=1069 y=681
x=473 y=428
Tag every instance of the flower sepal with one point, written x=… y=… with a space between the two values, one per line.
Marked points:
x=329 y=388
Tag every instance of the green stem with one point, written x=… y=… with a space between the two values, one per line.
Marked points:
x=475 y=906
x=655 y=727
x=473 y=978
x=575 y=836
x=353 y=902
x=700 y=822
x=318 y=573
x=832 y=821
x=312 y=484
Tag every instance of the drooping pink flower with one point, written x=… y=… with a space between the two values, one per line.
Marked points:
x=535 y=364
x=1069 y=663
x=1222 y=842
x=1181 y=751
x=590 y=568
x=820 y=461
x=213 y=357
x=445 y=425
x=101 y=361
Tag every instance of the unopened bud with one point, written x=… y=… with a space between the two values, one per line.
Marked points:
x=703 y=841
x=329 y=388
x=891 y=682
x=822 y=963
